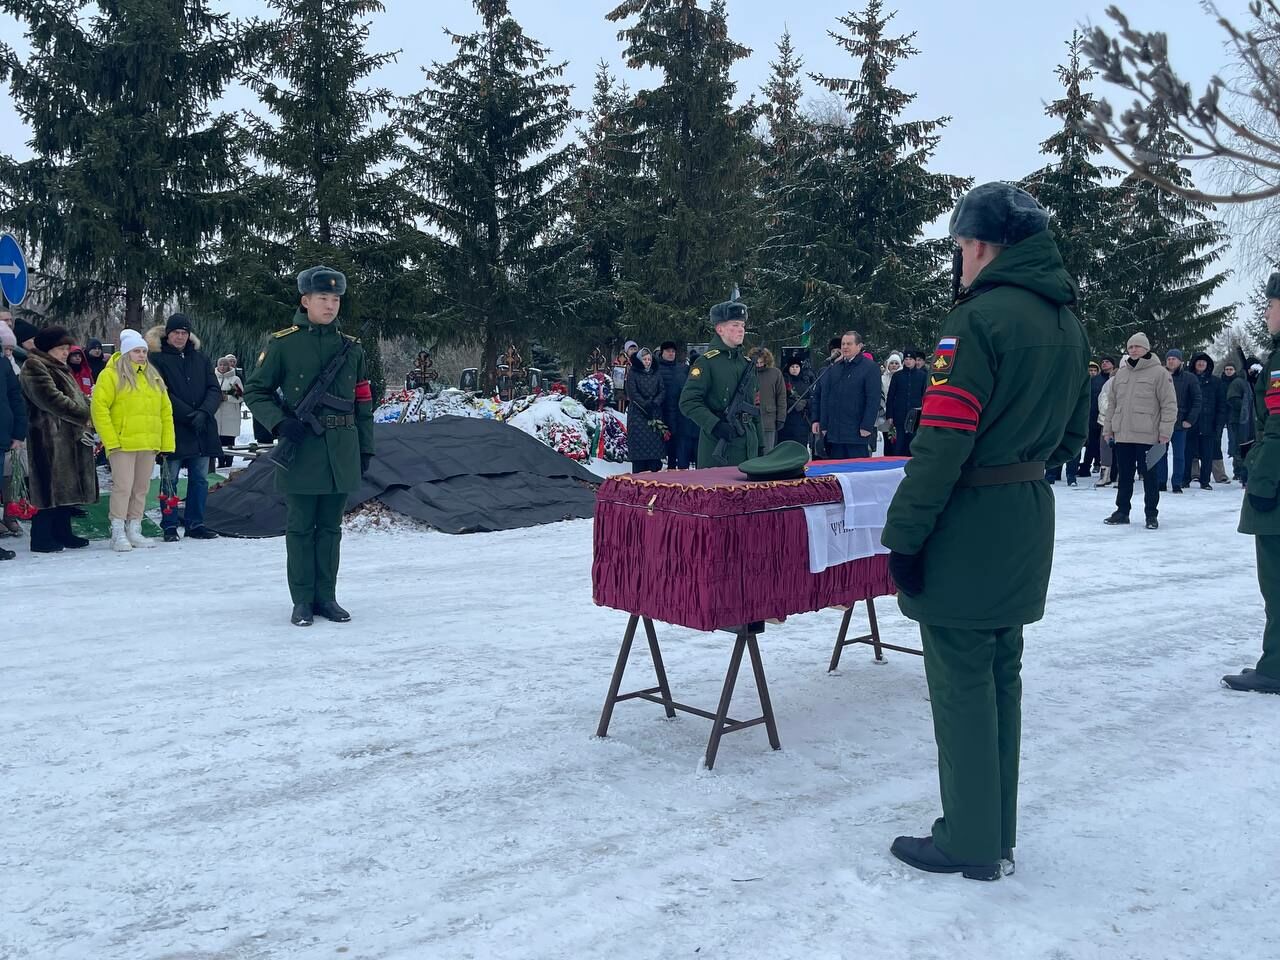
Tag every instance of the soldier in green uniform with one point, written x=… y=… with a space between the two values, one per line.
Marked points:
x=328 y=466
x=713 y=378
x=971 y=526
x=1258 y=514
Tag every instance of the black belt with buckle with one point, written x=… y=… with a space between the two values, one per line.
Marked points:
x=341 y=420
x=1005 y=473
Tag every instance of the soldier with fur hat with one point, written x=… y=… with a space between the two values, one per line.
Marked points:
x=713 y=379
x=328 y=465
x=1258 y=514
x=971 y=526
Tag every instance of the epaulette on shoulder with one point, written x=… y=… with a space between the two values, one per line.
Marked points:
x=710 y=353
x=285 y=332
x=351 y=338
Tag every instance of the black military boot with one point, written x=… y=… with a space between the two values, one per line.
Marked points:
x=1153 y=523
x=919 y=852
x=1006 y=861
x=1252 y=681
x=302 y=615
x=201 y=533
x=1117 y=518
x=6 y=554
x=330 y=610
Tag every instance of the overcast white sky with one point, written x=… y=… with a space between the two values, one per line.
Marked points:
x=988 y=65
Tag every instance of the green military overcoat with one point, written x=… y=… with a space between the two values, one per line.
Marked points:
x=294 y=358
x=1008 y=384
x=1264 y=459
x=713 y=377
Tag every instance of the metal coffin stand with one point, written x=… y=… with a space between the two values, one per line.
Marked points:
x=746 y=639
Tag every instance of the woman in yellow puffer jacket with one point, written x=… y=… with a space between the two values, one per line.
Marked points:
x=134 y=419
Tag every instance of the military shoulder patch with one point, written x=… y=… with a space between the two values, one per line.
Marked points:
x=938 y=381
x=285 y=332
x=710 y=353
x=944 y=355
x=695 y=371
x=1272 y=396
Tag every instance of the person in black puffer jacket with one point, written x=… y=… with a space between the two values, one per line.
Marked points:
x=1208 y=427
x=906 y=393
x=673 y=374
x=799 y=382
x=195 y=395
x=645 y=396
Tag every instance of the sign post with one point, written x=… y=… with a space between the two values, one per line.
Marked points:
x=13 y=270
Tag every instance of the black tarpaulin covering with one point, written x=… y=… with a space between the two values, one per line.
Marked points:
x=458 y=474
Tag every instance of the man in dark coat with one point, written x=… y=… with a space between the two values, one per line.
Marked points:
x=1208 y=429
x=195 y=395
x=674 y=374
x=13 y=433
x=327 y=466
x=846 y=401
x=970 y=528
x=1187 y=389
x=1098 y=377
x=906 y=393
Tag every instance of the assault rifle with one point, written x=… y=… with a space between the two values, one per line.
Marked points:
x=741 y=408
x=317 y=396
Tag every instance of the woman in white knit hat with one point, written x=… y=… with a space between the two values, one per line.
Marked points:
x=134 y=418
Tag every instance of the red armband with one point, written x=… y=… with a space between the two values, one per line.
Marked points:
x=364 y=392
x=948 y=406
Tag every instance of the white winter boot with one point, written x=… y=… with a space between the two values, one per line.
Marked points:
x=119 y=539
x=133 y=530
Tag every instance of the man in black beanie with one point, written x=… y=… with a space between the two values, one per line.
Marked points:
x=195 y=394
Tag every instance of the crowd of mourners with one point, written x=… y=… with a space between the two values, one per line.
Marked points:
x=1195 y=416
x=156 y=401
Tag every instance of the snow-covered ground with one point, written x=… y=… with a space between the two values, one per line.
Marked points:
x=185 y=775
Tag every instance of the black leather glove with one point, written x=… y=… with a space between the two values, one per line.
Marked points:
x=722 y=431
x=1262 y=504
x=292 y=429
x=907 y=570
x=365 y=460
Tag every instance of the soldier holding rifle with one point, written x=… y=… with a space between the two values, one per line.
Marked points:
x=324 y=421
x=719 y=395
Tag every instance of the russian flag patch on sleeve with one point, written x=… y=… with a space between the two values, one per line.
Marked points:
x=944 y=356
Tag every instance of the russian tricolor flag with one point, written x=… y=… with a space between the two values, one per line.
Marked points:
x=947 y=343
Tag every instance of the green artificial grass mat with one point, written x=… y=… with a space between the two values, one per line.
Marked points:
x=97 y=525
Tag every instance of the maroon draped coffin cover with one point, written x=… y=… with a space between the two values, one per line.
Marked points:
x=708 y=549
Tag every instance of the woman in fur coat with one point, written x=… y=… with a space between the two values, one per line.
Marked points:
x=59 y=443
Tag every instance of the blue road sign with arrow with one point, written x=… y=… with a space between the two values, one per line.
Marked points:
x=13 y=270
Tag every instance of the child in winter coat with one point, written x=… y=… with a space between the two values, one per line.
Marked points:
x=134 y=418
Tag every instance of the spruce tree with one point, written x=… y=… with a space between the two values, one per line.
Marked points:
x=1162 y=277
x=1083 y=198
x=485 y=155
x=607 y=188
x=328 y=191
x=867 y=197
x=786 y=147
x=696 y=234
x=131 y=175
